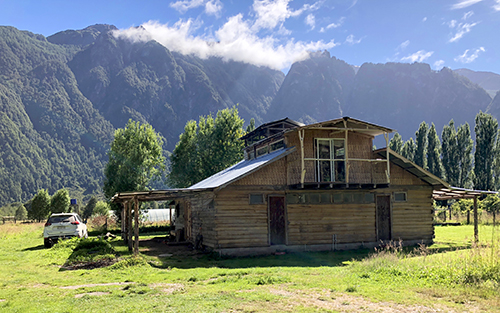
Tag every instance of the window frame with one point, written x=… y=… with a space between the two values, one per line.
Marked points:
x=332 y=159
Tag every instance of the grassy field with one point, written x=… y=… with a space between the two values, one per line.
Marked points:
x=451 y=275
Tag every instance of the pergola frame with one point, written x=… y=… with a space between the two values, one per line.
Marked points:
x=454 y=193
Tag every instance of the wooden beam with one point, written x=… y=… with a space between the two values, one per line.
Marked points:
x=129 y=226
x=388 y=171
x=124 y=221
x=302 y=167
x=346 y=154
x=476 y=231
x=136 y=226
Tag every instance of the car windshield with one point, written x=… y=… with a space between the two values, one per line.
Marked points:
x=62 y=219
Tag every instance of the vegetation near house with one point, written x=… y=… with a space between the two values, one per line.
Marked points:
x=21 y=213
x=486 y=140
x=60 y=201
x=40 y=206
x=135 y=159
x=207 y=147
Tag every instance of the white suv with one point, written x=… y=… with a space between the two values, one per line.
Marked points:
x=63 y=225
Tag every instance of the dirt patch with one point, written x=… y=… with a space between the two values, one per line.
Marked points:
x=80 y=295
x=348 y=303
x=95 y=285
x=167 y=288
x=90 y=265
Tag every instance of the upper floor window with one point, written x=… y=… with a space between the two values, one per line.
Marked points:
x=330 y=160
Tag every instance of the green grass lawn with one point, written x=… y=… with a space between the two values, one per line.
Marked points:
x=450 y=275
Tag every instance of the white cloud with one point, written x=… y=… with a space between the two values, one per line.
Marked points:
x=185 y=5
x=403 y=45
x=236 y=40
x=462 y=29
x=468 y=58
x=424 y=19
x=452 y=23
x=418 y=56
x=464 y=3
x=496 y=6
x=350 y=40
x=334 y=25
x=272 y=13
x=310 y=21
x=438 y=64
x=213 y=7
x=467 y=15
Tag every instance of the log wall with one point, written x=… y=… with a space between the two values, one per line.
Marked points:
x=240 y=224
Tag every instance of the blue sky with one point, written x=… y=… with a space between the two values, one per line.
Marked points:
x=455 y=33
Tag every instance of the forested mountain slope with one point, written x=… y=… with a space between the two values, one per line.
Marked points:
x=397 y=95
x=62 y=97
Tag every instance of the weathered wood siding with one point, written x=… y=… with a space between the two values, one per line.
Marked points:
x=240 y=224
x=318 y=223
x=202 y=219
x=413 y=219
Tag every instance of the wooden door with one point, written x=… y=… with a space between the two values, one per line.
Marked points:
x=384 y=218
x=277 y=227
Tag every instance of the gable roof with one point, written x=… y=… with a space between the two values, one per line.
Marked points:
x=240 y=170
x=270 y=128
x=412 y=168
x=350 y=124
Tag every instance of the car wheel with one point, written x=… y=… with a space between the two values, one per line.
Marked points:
x=47 y=243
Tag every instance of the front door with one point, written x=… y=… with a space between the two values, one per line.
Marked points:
x=277 y=220
x=384 y=217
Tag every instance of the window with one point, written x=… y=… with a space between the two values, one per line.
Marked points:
x=256 y=198
x=262 y=150
x=277 y=145
x=400 y=196
x=330 y=160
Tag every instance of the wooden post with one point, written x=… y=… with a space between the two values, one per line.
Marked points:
x=136 y=226
x=388 y=171
x=124 y=221
x=346 y=156
x=476 y=231
x=129 y=225
x=302 y=167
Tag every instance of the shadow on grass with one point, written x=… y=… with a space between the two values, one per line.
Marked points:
x=296 y=259
x=35 y=248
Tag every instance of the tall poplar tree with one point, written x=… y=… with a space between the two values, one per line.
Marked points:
x=421 y=145
x=408 y=150
x=464 y=150
x=449 y=149
x=434 y=152
x=396 y=143
x=486 y=136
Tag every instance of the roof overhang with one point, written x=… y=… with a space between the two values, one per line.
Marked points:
x=458 y=193
x=350 y=124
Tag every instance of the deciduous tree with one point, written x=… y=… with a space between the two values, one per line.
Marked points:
x=421 y=145
x=396 y=143
x=206 y=148
x=486 y=136
x=60 y=201
x=434 y=152
x=449 y=148
x=464 y=148
x=135 y=159
x=40 y=206
x=408 y=150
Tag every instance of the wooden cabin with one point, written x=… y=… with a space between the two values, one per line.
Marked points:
x=309 y=188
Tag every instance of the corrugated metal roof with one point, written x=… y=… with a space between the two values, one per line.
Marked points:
x=240 y=170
